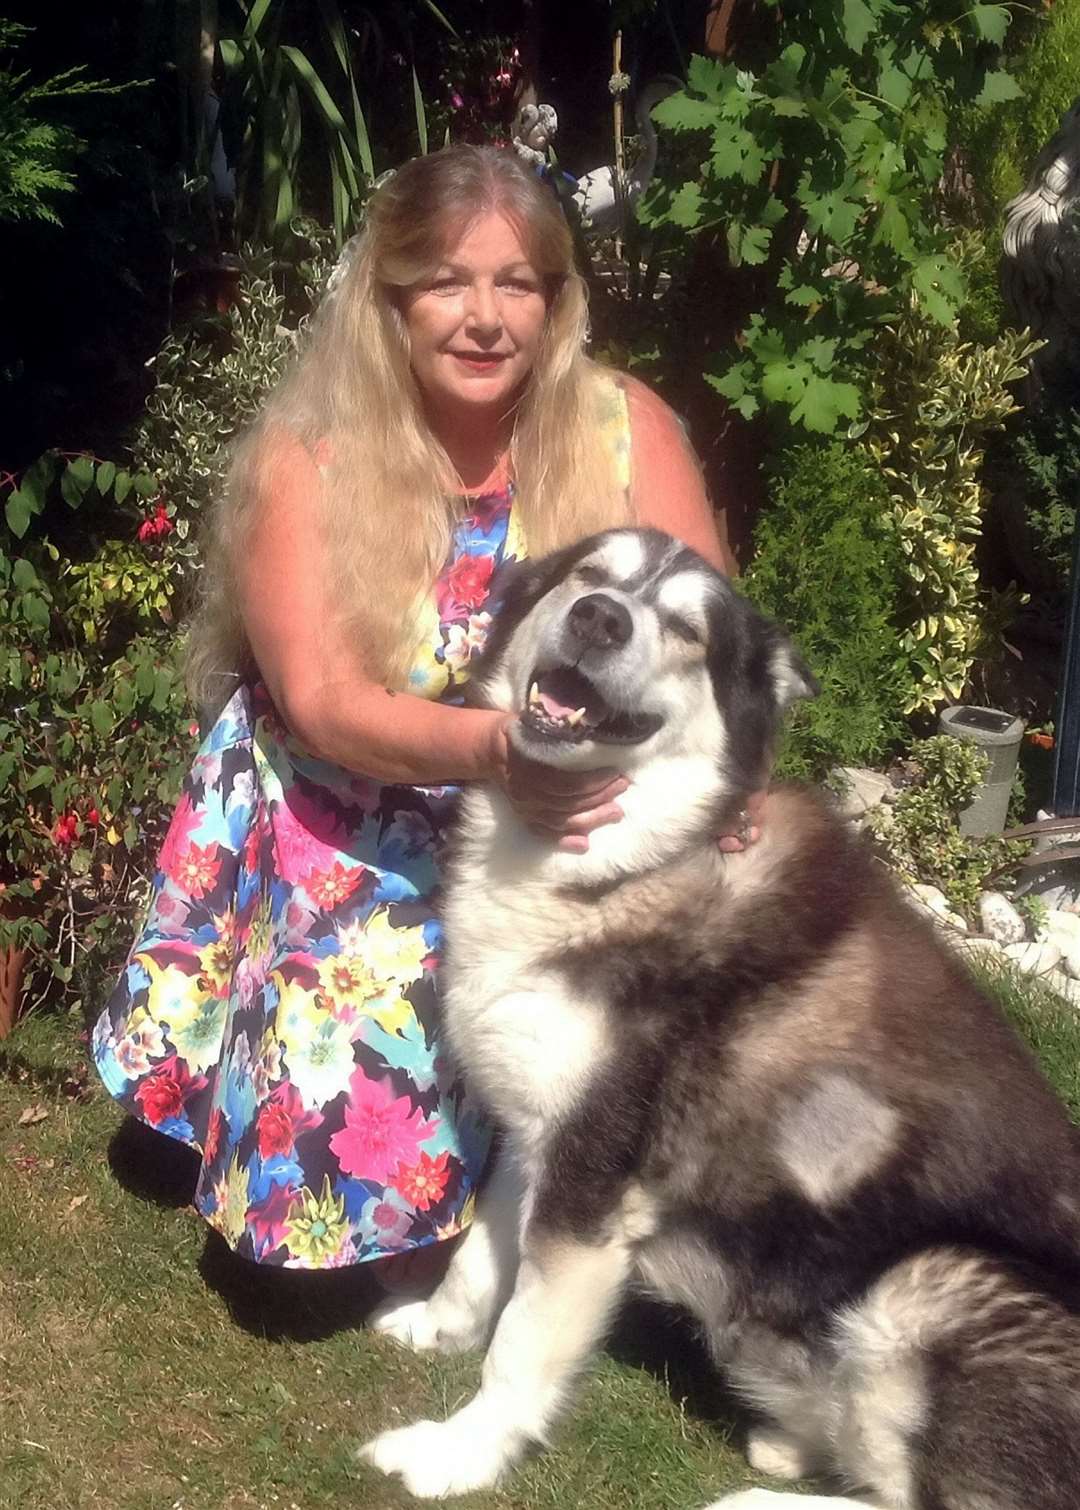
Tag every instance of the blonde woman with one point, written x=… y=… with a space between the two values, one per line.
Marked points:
x=278 y=1010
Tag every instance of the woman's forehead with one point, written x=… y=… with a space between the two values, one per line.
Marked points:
x=492 y=237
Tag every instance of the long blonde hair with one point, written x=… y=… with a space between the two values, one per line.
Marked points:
x=385 y=505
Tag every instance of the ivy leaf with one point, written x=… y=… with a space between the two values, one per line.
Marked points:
x=686 y=207
x=824 y=403
x=892 y=227
x=735 y=154
x=997 y=86
x=820 y=351
x=991 y=22
x=681 y=112
x=859 y=23
x=17 y=513
x=786 y=105
x=733 y=386
x=829 y=210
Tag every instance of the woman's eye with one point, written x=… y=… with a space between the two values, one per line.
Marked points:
x=519 y=285
x=444 y=285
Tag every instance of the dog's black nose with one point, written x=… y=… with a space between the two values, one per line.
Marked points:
x=600 y=621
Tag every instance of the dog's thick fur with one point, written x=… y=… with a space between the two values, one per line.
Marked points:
x=756 y=1084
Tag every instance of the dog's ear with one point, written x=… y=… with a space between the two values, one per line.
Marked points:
x=791 y=676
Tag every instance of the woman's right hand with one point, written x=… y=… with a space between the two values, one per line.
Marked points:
x=564 y=806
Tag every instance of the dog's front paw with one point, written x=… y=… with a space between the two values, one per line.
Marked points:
x=436 y=1459
x=769 y=1499
x=426 y=1326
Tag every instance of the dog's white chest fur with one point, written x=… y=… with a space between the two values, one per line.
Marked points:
x=528 y=1043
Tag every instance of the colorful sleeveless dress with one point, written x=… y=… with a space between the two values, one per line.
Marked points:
x=278 y=1010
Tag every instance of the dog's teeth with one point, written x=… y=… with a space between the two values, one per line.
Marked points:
x=534 y=695
x=573 y=719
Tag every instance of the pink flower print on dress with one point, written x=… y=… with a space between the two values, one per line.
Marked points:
x=185 y=822
x=381 y=1131
x=307 y=837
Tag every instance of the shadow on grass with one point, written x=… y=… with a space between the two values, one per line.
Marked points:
x=151 y=1166
x=666 y=1344
x=288 y=1305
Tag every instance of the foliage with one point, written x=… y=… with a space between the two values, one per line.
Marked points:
x=933 y=400
x=289 y=71
x=93 y=725
x=1007 y=142
x=97 y=561
x=820 y=168
x=37 y=152
x=919 y=834
x=828 y=565
x=1046 y=452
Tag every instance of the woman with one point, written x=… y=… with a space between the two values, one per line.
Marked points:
x=278 y=1010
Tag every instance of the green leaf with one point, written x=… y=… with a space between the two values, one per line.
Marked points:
x=859 y=24
x=825 y=403
x=23 y=574
x=72 y=487
x=991 y=22
x=35 y=611
x=707 y=76
x=686 y=206
x=38 y=479
x=163 y=685
x=421 y=114
x=122 y=486
x=131 y=836
x=939 y=284
x=681 y=112
x=17 y=513
x=41 y=777
x=748 y=244
x=105 y=476
x=736 y=154
x=80 y=861
x=144 y=679
x=101 y=717
x=144 y=484
x=892 y=227
x=997 y=86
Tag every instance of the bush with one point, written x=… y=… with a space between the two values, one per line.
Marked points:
x=919 y=834
x=97 y=564
x=827 y=564
x=935 y=400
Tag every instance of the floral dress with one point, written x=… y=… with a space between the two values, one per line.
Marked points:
x=278 y=1010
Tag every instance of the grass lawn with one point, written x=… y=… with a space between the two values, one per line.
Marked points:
x=142 y=1367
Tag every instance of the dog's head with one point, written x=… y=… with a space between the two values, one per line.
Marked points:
x=628 y=648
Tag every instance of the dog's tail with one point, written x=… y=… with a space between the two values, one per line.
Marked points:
x=958 y=1383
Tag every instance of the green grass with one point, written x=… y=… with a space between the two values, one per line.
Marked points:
x=142 y=1367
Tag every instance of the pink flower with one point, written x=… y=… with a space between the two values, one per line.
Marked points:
x=66 y=830
x=307 y=837
x=185 y=821
x=381 y=1132
x=154 y=528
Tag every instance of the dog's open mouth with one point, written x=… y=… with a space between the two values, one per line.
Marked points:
x=563 y=704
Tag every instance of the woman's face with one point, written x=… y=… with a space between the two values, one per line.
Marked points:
x=475 y=325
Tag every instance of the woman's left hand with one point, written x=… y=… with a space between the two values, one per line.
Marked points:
x=749 y=832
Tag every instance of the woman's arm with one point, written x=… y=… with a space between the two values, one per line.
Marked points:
x=667 y=489
x=316 y=677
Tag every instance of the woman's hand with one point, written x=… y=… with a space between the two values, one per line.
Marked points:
x=749 y=832
x=564 y=806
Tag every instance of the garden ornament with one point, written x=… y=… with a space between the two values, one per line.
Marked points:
x=1041 y=267
x=532 y=131
x=604 y=202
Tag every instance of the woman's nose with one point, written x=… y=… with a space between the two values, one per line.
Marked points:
x=483 y=308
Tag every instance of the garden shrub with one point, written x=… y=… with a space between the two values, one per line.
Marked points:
x=827 y=564
x=97 y=566
x=1046 y=455
x=919 y=834
x=935 y=399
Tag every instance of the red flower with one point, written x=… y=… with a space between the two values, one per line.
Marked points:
x=465 y=585
x=213 y=1136
x=196 y=870
x=275 y=1129
x=160 y=1097
x=329 y=888
x=66 y=830
x=93 y=817
x=425 y=1182
x=156 y=526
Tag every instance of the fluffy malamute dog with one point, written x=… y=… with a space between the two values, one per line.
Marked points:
x=756 y=1084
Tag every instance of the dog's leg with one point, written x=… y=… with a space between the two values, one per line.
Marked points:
x=475 y=1287
x=565 y=1293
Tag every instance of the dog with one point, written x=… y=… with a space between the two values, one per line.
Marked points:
x=756 y=1085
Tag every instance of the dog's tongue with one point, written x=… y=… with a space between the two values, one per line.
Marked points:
x=553 y=707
